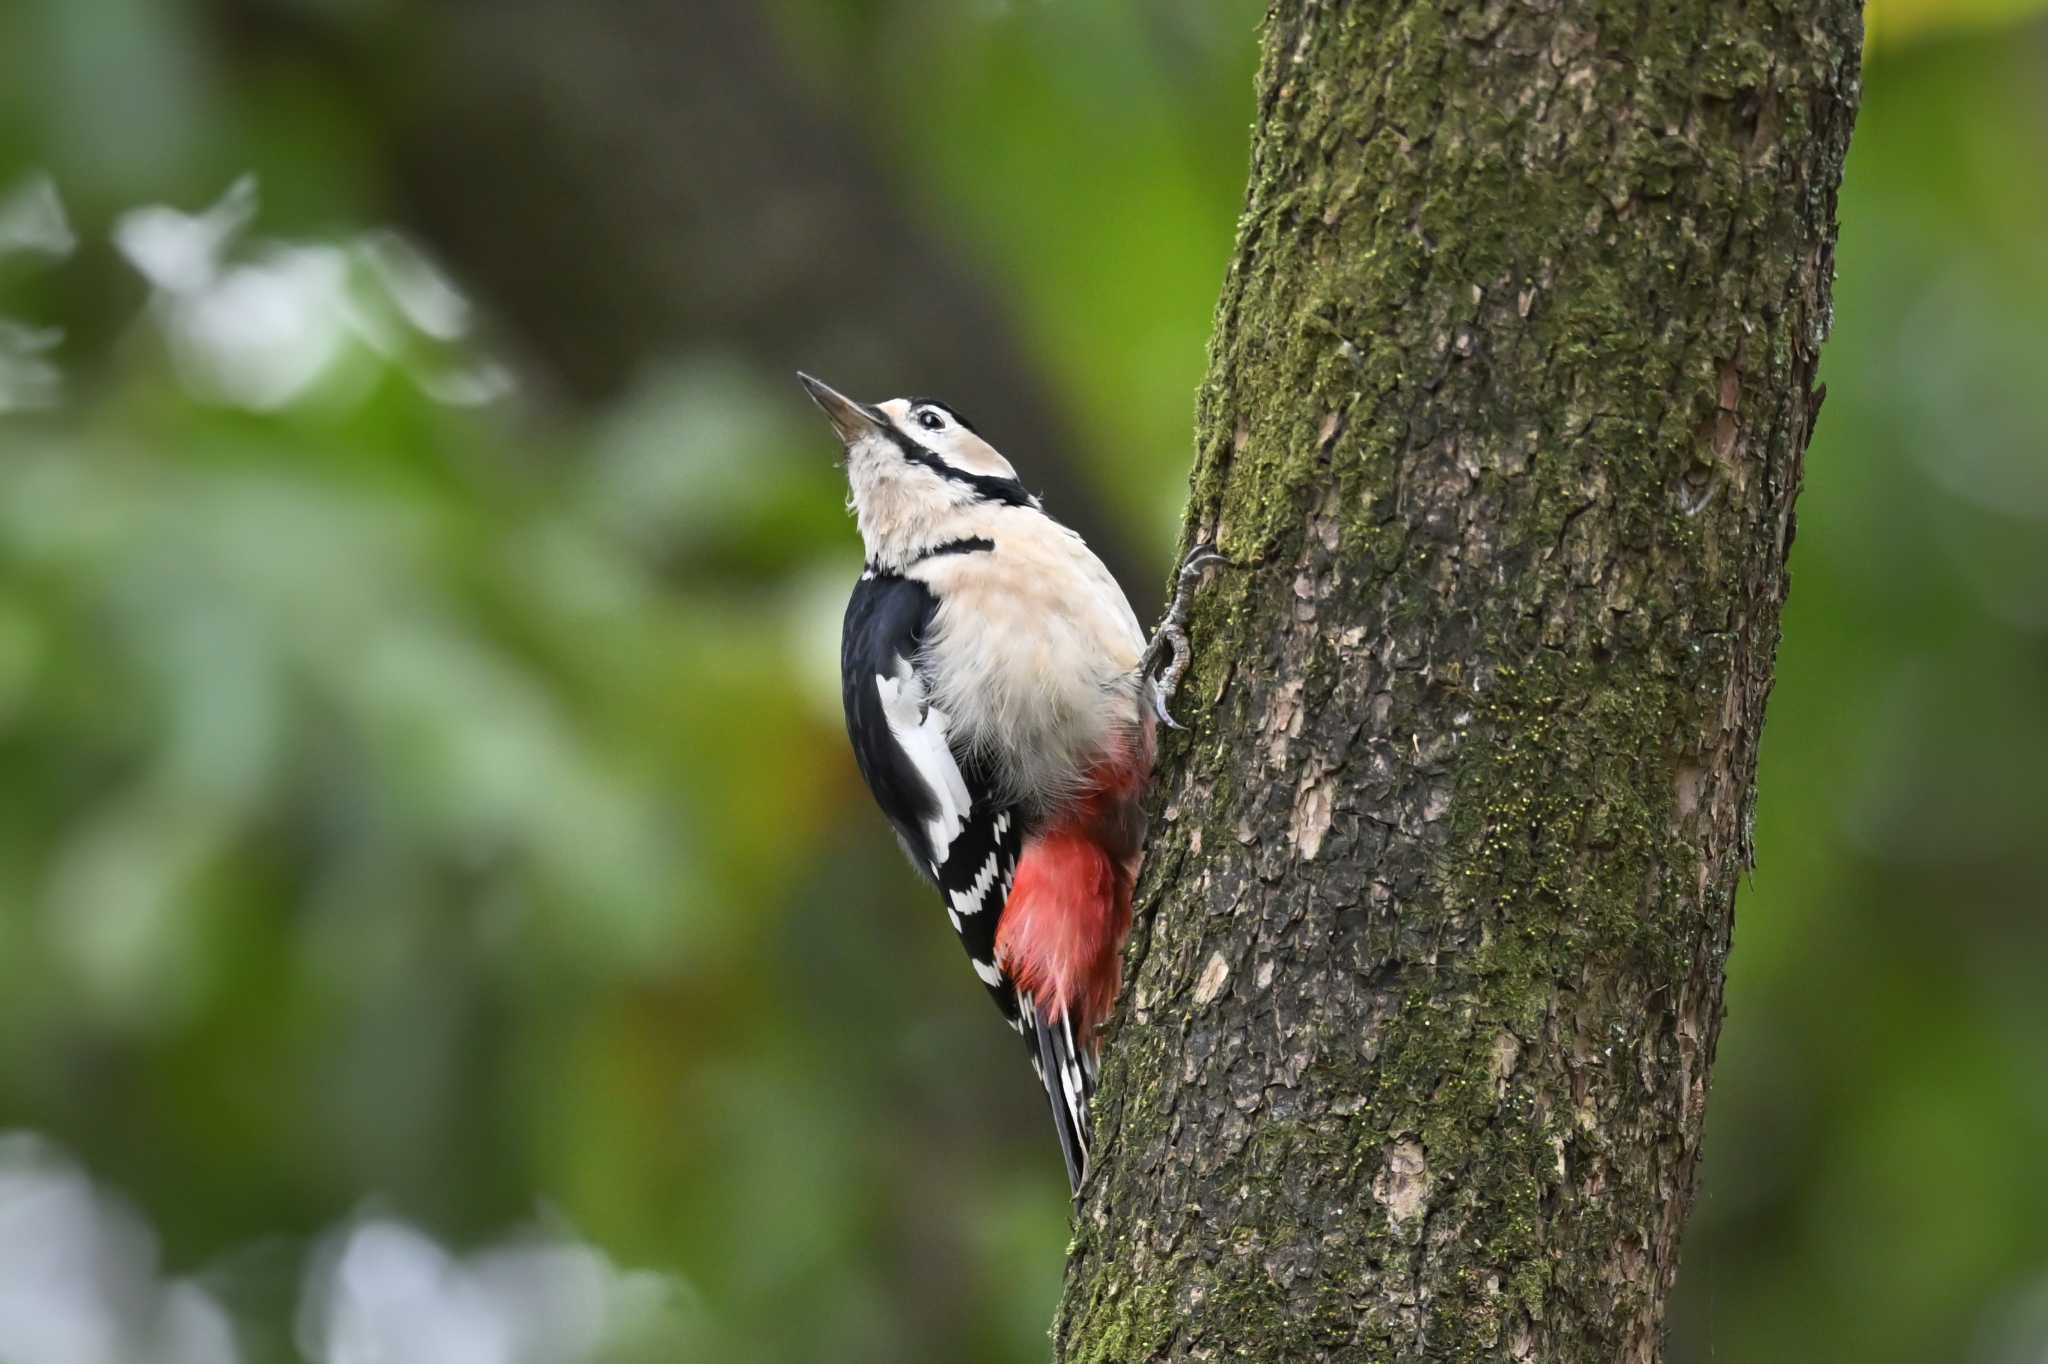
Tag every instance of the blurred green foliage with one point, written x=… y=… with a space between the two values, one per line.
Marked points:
x=1879 y=1101
x=418 y=797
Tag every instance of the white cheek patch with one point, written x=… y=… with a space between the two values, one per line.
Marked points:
x=920 y=731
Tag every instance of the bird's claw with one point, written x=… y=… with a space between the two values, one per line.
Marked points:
x=1170 y=641
x=1164 y=685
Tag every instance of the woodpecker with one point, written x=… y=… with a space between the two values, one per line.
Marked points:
x=1003 y=705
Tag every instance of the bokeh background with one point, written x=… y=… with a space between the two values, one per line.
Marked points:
x=439 y=920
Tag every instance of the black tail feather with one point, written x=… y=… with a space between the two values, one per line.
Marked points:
x=1069 y=1080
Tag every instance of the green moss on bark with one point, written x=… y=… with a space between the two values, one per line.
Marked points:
x=1507 y=398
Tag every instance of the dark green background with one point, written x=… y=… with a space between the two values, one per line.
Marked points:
x=442 y=809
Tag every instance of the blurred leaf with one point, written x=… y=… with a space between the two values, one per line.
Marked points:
x=1891 y=23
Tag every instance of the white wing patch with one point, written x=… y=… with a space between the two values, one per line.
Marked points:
x=991 y=974
x=919 y=729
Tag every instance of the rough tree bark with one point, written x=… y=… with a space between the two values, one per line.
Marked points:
x=1510 y=388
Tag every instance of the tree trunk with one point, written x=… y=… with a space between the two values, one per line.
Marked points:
x=1509 y=392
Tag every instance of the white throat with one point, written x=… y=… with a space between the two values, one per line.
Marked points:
x=903 y=510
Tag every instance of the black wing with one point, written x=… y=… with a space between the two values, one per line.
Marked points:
x=942 y=804
x=940 y=800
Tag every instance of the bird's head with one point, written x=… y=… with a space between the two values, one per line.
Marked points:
x=916 y=471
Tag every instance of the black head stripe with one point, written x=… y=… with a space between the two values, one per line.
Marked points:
x=973 y=545
x=987 y=487
x=916 y=403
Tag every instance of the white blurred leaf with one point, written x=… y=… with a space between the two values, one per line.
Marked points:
x=28 y=379
x=180 y=252
x=259 y=335
x=32 y=220
x=384 y=1292
x=78 y=1275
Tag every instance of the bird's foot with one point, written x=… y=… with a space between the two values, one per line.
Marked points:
x=1166 y=657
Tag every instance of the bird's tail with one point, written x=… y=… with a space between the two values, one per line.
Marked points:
x=1067 y=1069
x=1059 y=940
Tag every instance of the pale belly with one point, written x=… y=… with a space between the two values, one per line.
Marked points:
x=1036 y=651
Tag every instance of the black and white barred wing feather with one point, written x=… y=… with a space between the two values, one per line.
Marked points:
x=939 y=800
x=947 y=812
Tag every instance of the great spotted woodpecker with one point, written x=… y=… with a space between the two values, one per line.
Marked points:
x=1003 y=706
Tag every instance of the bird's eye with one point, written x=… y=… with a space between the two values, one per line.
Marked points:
x=930 y=420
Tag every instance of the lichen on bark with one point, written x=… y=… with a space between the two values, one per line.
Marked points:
x=1509 y=390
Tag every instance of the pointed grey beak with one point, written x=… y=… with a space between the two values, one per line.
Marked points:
x=850 y=419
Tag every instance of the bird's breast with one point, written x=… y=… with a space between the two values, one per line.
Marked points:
x=1034 y=652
